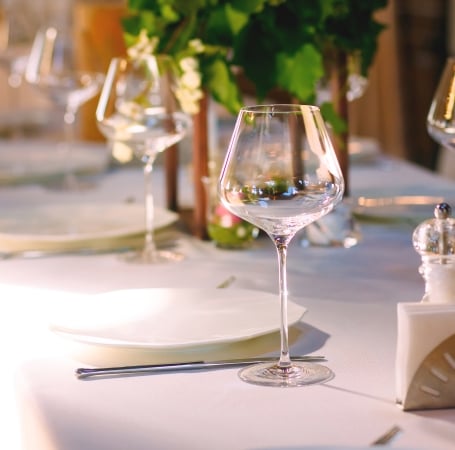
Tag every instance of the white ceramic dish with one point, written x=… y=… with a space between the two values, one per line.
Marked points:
x=411 y=209
x=30 y=161
x=363 y=150
x=171 y=319
x=73 y=226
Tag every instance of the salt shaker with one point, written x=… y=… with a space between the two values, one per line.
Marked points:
x=434 y=240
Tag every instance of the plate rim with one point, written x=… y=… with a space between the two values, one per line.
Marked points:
x=85 y=338
x=79 y=237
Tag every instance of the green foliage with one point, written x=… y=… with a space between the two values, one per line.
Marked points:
x=278 y=44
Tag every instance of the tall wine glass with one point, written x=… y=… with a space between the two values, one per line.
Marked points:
x=441 y=116
x=53 y=67
x=15 y=40
x=17 y=29
x=138 y=109
x=281 y=173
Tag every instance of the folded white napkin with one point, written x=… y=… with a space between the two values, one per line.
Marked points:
x=425 y=359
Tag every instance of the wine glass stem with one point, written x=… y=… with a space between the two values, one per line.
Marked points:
x=69 y=119
x=149 y=208
x=282 y=248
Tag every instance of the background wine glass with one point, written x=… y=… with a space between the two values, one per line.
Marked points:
x=138 y=109
x=15 y=39
x=52 y=67
x=281 y=173
x=17 y=29
x=441 y=116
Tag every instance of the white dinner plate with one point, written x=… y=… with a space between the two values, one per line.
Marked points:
x=33 y=161
x=411 y=209
x=74 y=226
x=172 y=319
x=363 y=150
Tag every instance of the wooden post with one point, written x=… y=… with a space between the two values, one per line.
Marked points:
x=200 y=169
x=339 y=85
x=171 y=164
x=98 y=37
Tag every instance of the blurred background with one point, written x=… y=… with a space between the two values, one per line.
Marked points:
x=402 y=80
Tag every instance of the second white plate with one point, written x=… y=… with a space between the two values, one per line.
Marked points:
x=410 y=209
x=172 y=319
x=31 y=161
x=73 y=226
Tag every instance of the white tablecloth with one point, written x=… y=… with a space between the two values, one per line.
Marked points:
x=351 y=296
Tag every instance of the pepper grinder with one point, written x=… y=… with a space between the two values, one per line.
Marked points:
x=425 y=358
x=434 y=240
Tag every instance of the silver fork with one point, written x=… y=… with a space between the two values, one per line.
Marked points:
x=387 y=436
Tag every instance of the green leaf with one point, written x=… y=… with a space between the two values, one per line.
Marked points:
x=178 y=35
x=249 y=6
x=222 y=85
x=298 y=73
x=138 y=5
x=329 y=114
x=223 y=23
x=236 y=19
x=189 y=6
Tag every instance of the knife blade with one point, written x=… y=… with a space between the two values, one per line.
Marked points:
x=83 y=372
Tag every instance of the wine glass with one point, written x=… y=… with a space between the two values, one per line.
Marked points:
x=52 y=66
x=281 y=173
x=16 y=35
x=138 y=109
x=441 y=116
x=17 y=28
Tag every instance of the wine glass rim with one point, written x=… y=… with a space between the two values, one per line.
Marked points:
x=158 y=56
x=278 y=108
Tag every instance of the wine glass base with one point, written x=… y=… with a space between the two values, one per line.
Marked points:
x=298 y=374
x=152 y=257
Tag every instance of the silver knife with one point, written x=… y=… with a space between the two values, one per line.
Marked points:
x=82 y=372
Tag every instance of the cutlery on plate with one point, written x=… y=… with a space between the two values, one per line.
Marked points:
x=176 y=367
x=387 y=436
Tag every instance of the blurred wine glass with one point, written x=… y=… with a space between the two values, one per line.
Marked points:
x=52 y=66
x=17 y=29
x=138 y=109
x=441 y=116
x=16 y=35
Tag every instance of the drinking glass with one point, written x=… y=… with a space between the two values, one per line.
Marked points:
x=441 y=116
x=281 y=173
x=53 y=67
x=17 y=29
x=16 y=35
x=138 y=109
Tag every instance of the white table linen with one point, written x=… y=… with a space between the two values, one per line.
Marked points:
x=351 y=297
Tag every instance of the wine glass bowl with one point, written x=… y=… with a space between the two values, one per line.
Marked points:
x=16 y=36
x=17 y=29
x=441 y=115
x=53 y=68
x=141 y=112
x=138 y=108
x=281 y=173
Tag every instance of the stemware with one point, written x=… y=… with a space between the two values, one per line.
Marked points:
x=281 y=173
x=52 y=66
x=17 y=28
x=138 y=109
x=441 y=115
x=16 y=35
